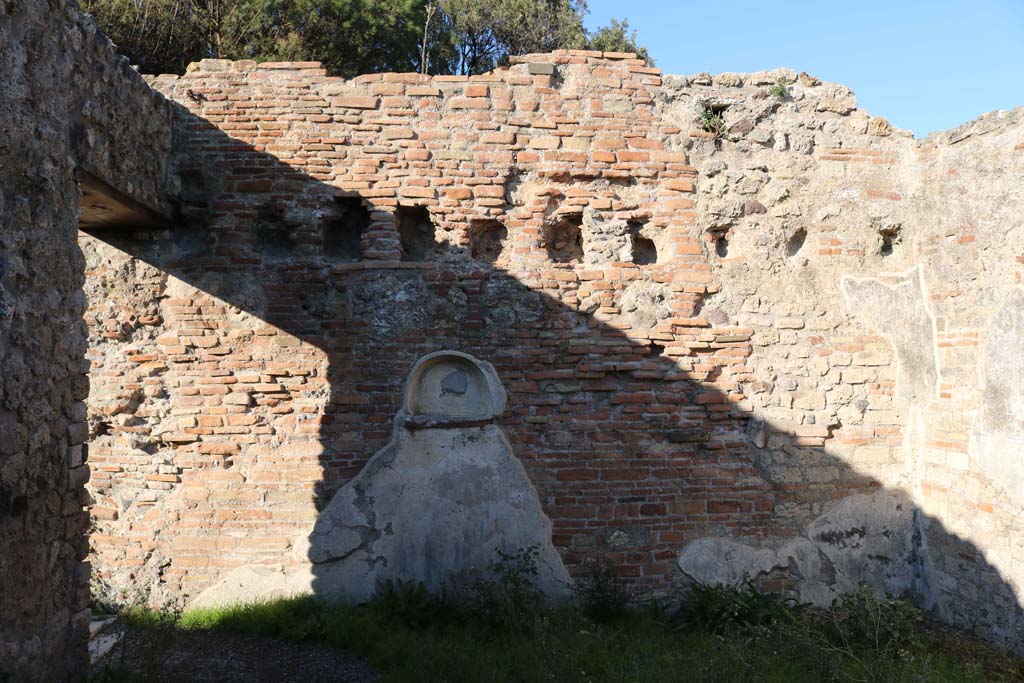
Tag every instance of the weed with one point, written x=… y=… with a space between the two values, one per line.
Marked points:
x=601 y=593
x=712 y=121
x=721 y=609
x=505 y=595
x=779 y=90
x=862 y=620
x=411 y=604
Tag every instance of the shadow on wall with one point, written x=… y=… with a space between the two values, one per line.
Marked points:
x=272 y=385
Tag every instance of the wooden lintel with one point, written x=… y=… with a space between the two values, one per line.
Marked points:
x=103 y=207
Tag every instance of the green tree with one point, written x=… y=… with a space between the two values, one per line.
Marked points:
x=486 y=32
x=156 y=35
x=616 y=37
x=350 y=37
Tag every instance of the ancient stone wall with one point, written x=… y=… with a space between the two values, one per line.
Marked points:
x=773 y=347
x=968 y=439
x=290 y=311
x=66 y=105
x=899 y=263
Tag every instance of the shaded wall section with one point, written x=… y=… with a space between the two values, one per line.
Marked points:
x=66 y=104
x=698 y=333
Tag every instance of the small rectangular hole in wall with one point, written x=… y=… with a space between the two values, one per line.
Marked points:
x=417 y=233
x=563 y=239
x=275 y=235
x=193 y=185
x=487 y=240
x=343 y=228
x=645 y=251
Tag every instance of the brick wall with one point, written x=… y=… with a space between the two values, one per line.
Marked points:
x=666 y=307
x=264 y=397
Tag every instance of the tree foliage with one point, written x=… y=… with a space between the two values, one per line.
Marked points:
x=486 y=32
x=351 y=36
x=616 y=37
x=157 y=35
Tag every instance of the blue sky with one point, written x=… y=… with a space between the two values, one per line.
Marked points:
x=923 y=65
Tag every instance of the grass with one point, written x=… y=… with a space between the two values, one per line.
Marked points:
x=723 y=636
x=492 y=625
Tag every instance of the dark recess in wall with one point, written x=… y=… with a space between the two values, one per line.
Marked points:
x=563 y=239
x=343 y=229
x=722 y=246
x=890 y=238
x=274 y=236
x=487 y=240
x=645 y=252
x=796 y=242
x=416 y=231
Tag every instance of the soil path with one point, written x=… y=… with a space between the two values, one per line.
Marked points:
x=215 y=657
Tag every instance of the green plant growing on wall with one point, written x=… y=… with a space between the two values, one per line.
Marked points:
x=712 y=121
x=721 y=609
x=779 y=90
x=601 y=593
x=506 y=593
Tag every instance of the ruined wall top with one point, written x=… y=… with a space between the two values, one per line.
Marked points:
x=78 y=93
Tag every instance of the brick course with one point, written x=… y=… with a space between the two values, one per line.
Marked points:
x=247 y=362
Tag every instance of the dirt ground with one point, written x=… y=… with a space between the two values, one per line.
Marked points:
x=181 y=656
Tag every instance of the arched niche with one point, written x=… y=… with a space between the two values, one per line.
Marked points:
x=450 y=385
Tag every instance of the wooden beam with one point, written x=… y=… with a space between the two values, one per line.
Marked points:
x=104 y=207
